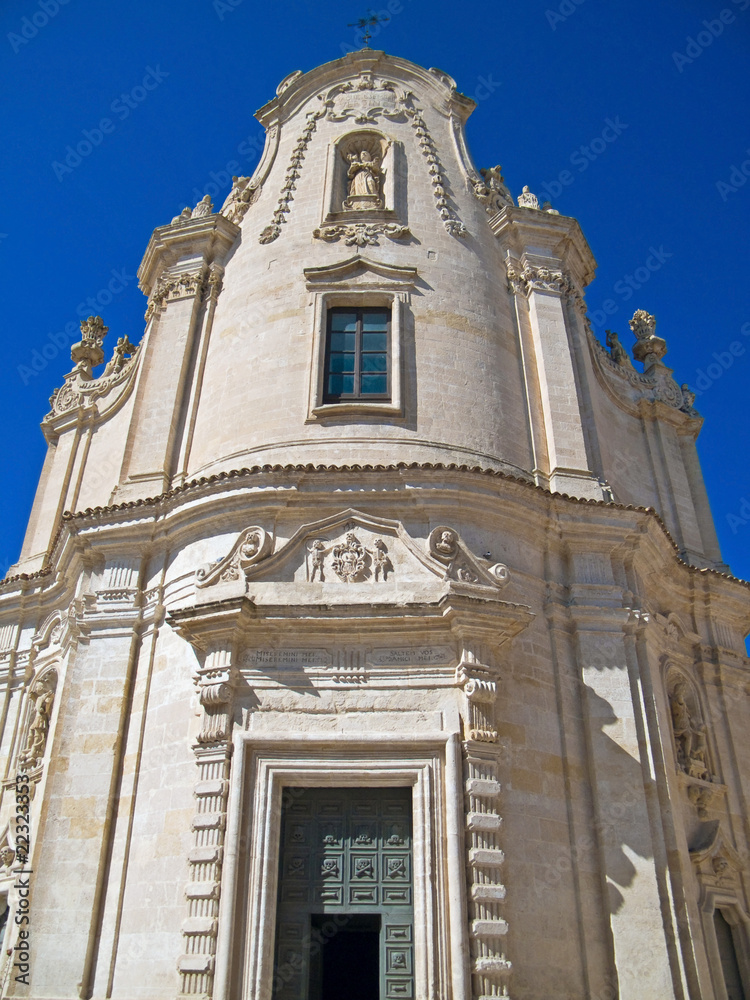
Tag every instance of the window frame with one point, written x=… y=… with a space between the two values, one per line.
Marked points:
x=357 y=395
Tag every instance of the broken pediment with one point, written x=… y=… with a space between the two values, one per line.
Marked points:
x=348 y=556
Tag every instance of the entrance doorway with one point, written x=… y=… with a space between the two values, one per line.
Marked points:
x=345 y=903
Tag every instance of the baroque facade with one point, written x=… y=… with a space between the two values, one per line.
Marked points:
x=370 y=632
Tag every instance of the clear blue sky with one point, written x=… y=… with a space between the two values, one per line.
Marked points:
x=179 y=83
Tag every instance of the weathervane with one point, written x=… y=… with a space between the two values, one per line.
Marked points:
x=365 y=23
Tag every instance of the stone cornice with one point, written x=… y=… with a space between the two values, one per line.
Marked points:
x=492 y=621
x=524 y=231
x=207 y=238
x=137 y=512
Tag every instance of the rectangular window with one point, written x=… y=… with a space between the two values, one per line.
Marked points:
x=357 y=354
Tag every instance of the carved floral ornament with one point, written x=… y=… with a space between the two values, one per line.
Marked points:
x=365 y=100
x=529 y=278
x=80 y=387
x=169 y=288
x=362 y=234
x=351 y=550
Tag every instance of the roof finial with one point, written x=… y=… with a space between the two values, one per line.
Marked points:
x=365 y=23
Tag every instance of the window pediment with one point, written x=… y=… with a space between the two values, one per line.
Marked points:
x=361 y=273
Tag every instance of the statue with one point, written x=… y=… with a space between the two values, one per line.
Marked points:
x=364 y=176
x=203 y=208
x=122 y=352
x=617 y=352
x=526 y=199
x=380 y=560
x=36 y=739
x=689 y=734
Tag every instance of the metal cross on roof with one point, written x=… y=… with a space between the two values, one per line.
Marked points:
x=365 y=23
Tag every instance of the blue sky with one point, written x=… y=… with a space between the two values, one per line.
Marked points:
x=178 y=84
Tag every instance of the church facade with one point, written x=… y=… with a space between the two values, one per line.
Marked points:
x=371 y=632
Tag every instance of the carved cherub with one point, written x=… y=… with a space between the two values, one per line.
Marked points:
x=250 y=546
x=446 y=544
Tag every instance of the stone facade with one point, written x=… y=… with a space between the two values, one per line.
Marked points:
x=497 y=585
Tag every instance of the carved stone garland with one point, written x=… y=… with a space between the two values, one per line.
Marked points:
x=216 y=682
x=486 y=892
x=544 y=279
x=450 y=220
x=273 y=231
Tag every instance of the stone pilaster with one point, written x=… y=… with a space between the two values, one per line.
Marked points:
x=547 y=261
x=216 y=681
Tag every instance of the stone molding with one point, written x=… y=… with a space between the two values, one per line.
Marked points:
x=71 y=523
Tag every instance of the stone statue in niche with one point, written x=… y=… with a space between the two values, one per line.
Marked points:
x=364 y=176
x=689 y=734
x=43 y=694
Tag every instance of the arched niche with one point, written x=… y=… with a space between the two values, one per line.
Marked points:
x=690 y=736
x=365 y=179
